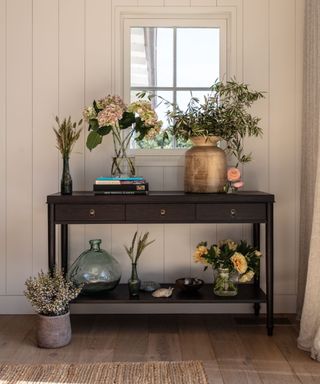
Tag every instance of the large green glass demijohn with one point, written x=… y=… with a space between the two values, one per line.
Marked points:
x=96 y=269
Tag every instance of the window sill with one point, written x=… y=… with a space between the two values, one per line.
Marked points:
x=158 y=157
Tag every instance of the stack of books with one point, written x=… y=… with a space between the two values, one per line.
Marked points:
x=120 y=186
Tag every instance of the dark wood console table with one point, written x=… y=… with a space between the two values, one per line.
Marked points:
x=169 y=207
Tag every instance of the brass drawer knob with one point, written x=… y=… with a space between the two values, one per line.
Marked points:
x=92 y=212
x=233 y=212
x=162 y=211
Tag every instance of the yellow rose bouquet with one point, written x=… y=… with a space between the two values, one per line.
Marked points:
x=229 y=258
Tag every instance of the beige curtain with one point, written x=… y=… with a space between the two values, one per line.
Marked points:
x=309 y=266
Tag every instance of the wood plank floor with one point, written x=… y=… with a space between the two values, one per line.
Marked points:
x=233 y=350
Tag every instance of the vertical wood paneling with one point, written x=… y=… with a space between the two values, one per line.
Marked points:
x=154 y=176
x=98 y=33
x=71 y=94
x=205 y=3
x=19 y=144
x=299 y=60
x=256 y=55
x=177 y=251
x=71 y=76
x=122 y=234
x=45 y=107
x=3 y=128
x=150 y=3
x=174 y=178
x=282 y=136
x=151 y=263
x=59 y=58
x=202 y=232
x=177 y=3
x=98 y=56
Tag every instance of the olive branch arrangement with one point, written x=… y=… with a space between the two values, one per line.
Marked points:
x=135 y=252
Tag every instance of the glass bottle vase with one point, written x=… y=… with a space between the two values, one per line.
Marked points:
x=134 y=283
x=225 y=282
x=66 y=180
x=96 y=269
x=123 y=166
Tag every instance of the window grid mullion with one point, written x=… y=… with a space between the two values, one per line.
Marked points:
x=174 y=75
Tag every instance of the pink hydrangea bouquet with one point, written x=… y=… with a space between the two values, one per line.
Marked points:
x=138 y=120
x=240 y=257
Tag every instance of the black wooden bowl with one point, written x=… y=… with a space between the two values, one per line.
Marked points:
x=189 y=284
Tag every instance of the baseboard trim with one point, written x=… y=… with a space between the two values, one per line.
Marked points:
x=282 y=304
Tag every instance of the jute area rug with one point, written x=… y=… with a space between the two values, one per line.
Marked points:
x=183 y=372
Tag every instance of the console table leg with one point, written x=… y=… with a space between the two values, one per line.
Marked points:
x=64 y=248
x=256 y=243
x=269 y=268
x=51 y=238
x=256 y=307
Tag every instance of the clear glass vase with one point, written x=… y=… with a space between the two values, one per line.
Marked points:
x=225 y=282
x=134 y=283
x=123 y=166
x=96 y=269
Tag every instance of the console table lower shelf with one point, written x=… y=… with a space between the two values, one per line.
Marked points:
x=248 y=293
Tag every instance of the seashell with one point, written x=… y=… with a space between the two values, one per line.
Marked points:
x=163 y=292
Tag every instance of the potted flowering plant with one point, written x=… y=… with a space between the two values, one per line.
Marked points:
x=229 y=260
x=50 y=295
x=137 y=121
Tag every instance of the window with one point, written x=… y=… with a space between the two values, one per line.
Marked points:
x=173 y=61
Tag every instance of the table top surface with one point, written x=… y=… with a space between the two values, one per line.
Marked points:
x=162 y=196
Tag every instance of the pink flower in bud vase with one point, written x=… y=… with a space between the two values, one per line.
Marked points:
x=233 y=174
x=234 y=182
x=238 y=184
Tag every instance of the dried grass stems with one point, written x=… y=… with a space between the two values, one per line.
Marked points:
x=67 y=134
x=135 y=252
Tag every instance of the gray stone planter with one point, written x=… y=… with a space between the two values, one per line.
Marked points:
x=53 y=331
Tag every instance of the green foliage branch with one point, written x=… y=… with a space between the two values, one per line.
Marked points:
x=224 y=113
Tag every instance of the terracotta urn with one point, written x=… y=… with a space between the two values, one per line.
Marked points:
x=205 y=166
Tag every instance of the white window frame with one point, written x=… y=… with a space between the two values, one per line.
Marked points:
x=185 y=23
x=227 y=17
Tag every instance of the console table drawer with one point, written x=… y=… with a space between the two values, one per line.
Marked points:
x=86 y=212
x=160 y=213
x=231 y=212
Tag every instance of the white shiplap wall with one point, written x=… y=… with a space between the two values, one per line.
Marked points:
x=57 y=56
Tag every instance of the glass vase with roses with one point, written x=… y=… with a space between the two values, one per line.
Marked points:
x=231 y=262
x=137 y=121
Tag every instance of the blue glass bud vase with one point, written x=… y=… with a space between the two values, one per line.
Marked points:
x=134 y=283
x=66 y=180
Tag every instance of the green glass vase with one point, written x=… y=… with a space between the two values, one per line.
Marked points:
x=66 y=180
x=134 y=283
x=96 y=269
